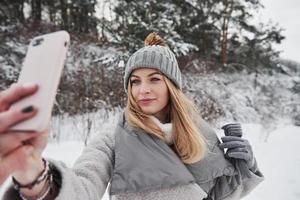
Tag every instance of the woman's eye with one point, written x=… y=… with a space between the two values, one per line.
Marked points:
x=134 y=81
x=155 y=79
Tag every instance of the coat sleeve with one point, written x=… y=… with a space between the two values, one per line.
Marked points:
x=234 y=187
x=90 y=174
x=229 y=182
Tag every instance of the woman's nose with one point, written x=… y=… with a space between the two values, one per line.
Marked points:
x=145 y=88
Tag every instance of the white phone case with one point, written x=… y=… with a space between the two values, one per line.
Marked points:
x=43 y=65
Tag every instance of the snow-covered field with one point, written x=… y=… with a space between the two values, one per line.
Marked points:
x=277 y=154
x=279 y=160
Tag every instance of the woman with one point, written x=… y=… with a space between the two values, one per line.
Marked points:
x=160 y=148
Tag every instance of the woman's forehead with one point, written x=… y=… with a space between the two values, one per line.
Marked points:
x=144 y=71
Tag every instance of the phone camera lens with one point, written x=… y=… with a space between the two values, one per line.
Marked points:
x=37 y=42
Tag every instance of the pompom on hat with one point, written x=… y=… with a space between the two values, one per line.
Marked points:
x=155 y=54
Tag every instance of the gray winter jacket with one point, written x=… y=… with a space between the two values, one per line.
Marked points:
x=142 y=167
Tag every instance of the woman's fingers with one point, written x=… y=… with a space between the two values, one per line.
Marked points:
x=16 y=160
x=12 y=140
x=40 y=142
x=12 y=117
x=14 y=93
x=240 y=155
x=238 y=149
x=233 y=144
x=232 y=138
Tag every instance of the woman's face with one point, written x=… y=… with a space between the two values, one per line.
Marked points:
x=150 y=91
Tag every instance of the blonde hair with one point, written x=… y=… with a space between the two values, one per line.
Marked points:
x=189 y=143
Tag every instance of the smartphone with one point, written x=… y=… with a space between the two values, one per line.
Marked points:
x=43 y=65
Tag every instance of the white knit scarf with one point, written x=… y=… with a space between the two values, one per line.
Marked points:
x=166 y=128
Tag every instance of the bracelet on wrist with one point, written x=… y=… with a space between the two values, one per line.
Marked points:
x=44 y=192
x=41 y=177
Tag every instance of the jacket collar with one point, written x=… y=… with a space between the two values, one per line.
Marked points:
x=143 y=161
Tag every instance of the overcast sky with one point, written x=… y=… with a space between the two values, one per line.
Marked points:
x=287 y=14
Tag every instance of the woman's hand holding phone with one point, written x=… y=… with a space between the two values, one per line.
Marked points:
x=25 y=113
x=20 y=152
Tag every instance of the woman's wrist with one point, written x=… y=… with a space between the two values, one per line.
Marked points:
x=34 y=167
x=36 y=191
x=33 y=171
x=43 y=193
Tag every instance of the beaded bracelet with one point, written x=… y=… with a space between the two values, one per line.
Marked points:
x=41 y=177
x=43 y=195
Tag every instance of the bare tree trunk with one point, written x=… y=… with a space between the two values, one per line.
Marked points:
x=224 y=40
x=18 y=8
x=36 y=12
x=64 y=14
x=84 y=20
x=88 y=131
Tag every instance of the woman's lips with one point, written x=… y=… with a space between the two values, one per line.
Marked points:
x=145 y=102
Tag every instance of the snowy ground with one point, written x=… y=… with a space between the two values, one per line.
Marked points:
x=277 y=154
x=279 y=160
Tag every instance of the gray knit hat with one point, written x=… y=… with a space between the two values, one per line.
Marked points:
x=157 y=57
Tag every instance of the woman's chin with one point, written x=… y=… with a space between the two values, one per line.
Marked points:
x=149 y=111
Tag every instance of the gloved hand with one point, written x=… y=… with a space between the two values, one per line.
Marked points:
x=238 y=148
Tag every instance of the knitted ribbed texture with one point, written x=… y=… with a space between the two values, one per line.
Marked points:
x=157 y=57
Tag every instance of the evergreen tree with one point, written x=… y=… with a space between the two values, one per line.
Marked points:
x=218 y=30
x=214 y=29
x=11 y=12
x=136 y=19
x=256 y=51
